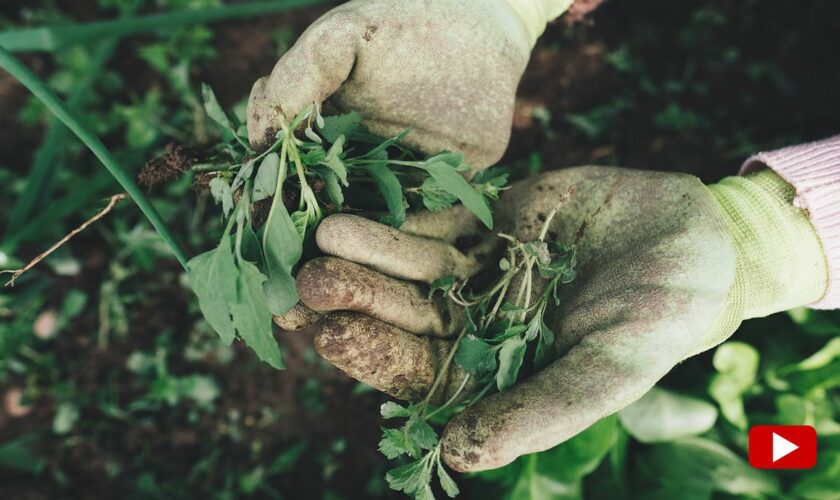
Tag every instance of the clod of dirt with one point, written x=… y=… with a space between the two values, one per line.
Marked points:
x=166 y=167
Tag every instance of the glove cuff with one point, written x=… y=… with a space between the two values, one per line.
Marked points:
x=781 y=262
x=536 y=14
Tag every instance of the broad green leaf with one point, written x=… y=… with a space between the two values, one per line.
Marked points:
x=510 y=360
x=391 y=190
x=662 y=415
x=737 y=366
x=266 y=180
x=337 y=125
x=476 y=357
x=252 y=317
x=213 y=279
x=698 y=463
x=452 y=182
x=282 y=247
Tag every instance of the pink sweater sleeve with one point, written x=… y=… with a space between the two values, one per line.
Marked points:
x=813 y=169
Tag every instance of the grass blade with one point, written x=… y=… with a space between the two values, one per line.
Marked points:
x=35 y=85
x=52 y=38
x=49 y=158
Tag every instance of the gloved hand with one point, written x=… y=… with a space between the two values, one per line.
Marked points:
x=450 y=67
x=667 y=268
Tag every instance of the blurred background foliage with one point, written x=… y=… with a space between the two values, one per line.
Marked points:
x=112 y=385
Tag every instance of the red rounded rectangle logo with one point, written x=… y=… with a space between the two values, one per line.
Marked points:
x=783 y=446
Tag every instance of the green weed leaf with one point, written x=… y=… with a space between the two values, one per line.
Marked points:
x=452 y=182
x=447 y=484
x=252 y=317
x=337 y=125
x=396 y=442
x=266 y=180
x=221 y=192
x=476 y=357
x=443 y=285
x=511 y=356
x=422 y=434
x=334 y=162
x=333 y=188
x=213 y=279
x=282 y=247
x=411 y=478
x=391 y=190
x=435 y=198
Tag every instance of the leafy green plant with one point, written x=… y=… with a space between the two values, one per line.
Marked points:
x=248 y=278
x=499 y=325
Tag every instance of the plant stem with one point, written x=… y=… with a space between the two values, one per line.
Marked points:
x=451 y=399
x=443 y=369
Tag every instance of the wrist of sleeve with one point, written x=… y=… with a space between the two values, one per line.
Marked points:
x=536 y=14
x=781 y=263
x=813 y=171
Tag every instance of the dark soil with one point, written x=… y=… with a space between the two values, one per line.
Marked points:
x=781 y=88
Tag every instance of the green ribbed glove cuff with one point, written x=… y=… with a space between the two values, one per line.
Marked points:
x=536 y=14
x=781 y=263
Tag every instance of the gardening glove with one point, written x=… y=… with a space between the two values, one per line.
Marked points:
x=448 y=67
x=667 y=268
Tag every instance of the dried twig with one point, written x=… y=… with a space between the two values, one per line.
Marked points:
x=102 y=213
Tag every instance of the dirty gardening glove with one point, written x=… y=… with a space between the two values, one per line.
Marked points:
x=449 y=67
x=667 y=268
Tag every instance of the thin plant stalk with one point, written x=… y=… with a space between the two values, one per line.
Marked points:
x=35 y=85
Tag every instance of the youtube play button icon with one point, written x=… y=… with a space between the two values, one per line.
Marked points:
x=783 y=447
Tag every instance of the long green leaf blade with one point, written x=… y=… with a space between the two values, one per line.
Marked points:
x=35 y=85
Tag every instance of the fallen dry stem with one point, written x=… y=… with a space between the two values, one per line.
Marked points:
x=16 y=273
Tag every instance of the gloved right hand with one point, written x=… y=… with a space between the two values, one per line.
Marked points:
x=448 y=67
x=667 y=268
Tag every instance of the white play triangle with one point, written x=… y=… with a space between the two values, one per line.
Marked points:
x=782 y=447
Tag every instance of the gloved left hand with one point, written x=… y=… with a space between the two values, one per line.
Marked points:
x=450 y=68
